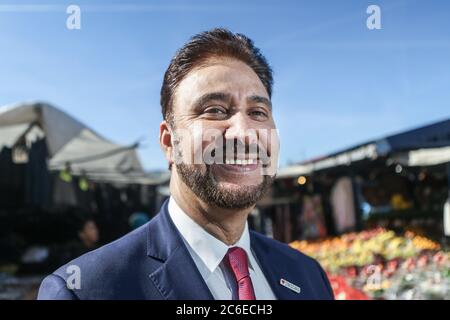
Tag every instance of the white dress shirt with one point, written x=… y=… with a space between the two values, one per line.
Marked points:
x=208 y=253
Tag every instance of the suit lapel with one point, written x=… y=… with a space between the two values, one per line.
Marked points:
x=179 y=279
x=274 y=267
x=178 y=276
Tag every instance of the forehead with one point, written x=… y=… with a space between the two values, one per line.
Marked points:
x=225 y=75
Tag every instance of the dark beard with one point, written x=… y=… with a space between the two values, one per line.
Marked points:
x=205 y=187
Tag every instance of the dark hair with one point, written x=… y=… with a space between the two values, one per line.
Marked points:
x=80 y=221
x=217 y=42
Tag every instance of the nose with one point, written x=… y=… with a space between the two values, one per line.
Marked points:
x=239 y=129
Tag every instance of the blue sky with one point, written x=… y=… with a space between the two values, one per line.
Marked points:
x=336 y=82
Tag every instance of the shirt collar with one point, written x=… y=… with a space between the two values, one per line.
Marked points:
x=210 y=249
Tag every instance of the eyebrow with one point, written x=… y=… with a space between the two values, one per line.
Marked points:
x=226 y=97
x=220 y=96
x=260 y=99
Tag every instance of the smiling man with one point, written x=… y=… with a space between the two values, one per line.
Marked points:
x=219 y=138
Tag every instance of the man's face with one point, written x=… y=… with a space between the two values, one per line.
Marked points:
x=224 y=130
x=89 y=233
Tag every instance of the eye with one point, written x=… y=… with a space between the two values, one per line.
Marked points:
x=216 y=110
x=258 y=114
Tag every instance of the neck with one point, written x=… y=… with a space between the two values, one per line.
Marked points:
x=227 y=225
x=88 y=244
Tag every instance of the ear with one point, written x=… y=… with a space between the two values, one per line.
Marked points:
x=165 y=141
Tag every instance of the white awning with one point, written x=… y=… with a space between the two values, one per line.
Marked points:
x=423 y=157
x=70 y=141
x=294 y=171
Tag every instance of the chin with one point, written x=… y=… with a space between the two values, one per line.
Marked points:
x=236 y=186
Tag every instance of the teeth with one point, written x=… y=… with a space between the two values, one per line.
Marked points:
x=240 y=162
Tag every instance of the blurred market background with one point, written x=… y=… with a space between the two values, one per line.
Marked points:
x=363 y=116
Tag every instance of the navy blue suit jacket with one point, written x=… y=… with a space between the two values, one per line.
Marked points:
x=152 y=262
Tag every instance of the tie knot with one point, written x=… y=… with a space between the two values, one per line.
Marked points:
x=237 y=257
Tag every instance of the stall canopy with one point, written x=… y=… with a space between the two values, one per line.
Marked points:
x=427 y=145
x=71 y=142
x=423 y=157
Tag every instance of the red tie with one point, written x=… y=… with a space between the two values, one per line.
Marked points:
x=237 y=257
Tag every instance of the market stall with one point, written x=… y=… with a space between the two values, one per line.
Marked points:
x=394 y=182
x=373 y=215
x=380 y=264
x=55 y=172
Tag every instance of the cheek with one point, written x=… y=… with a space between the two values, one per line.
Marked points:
x=274 y=142
x=184 y=151
x=191 y=146
x=213 y=139
x=269 y=138
x=205 y=139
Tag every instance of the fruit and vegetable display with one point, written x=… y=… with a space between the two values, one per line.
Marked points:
x=380 y=264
